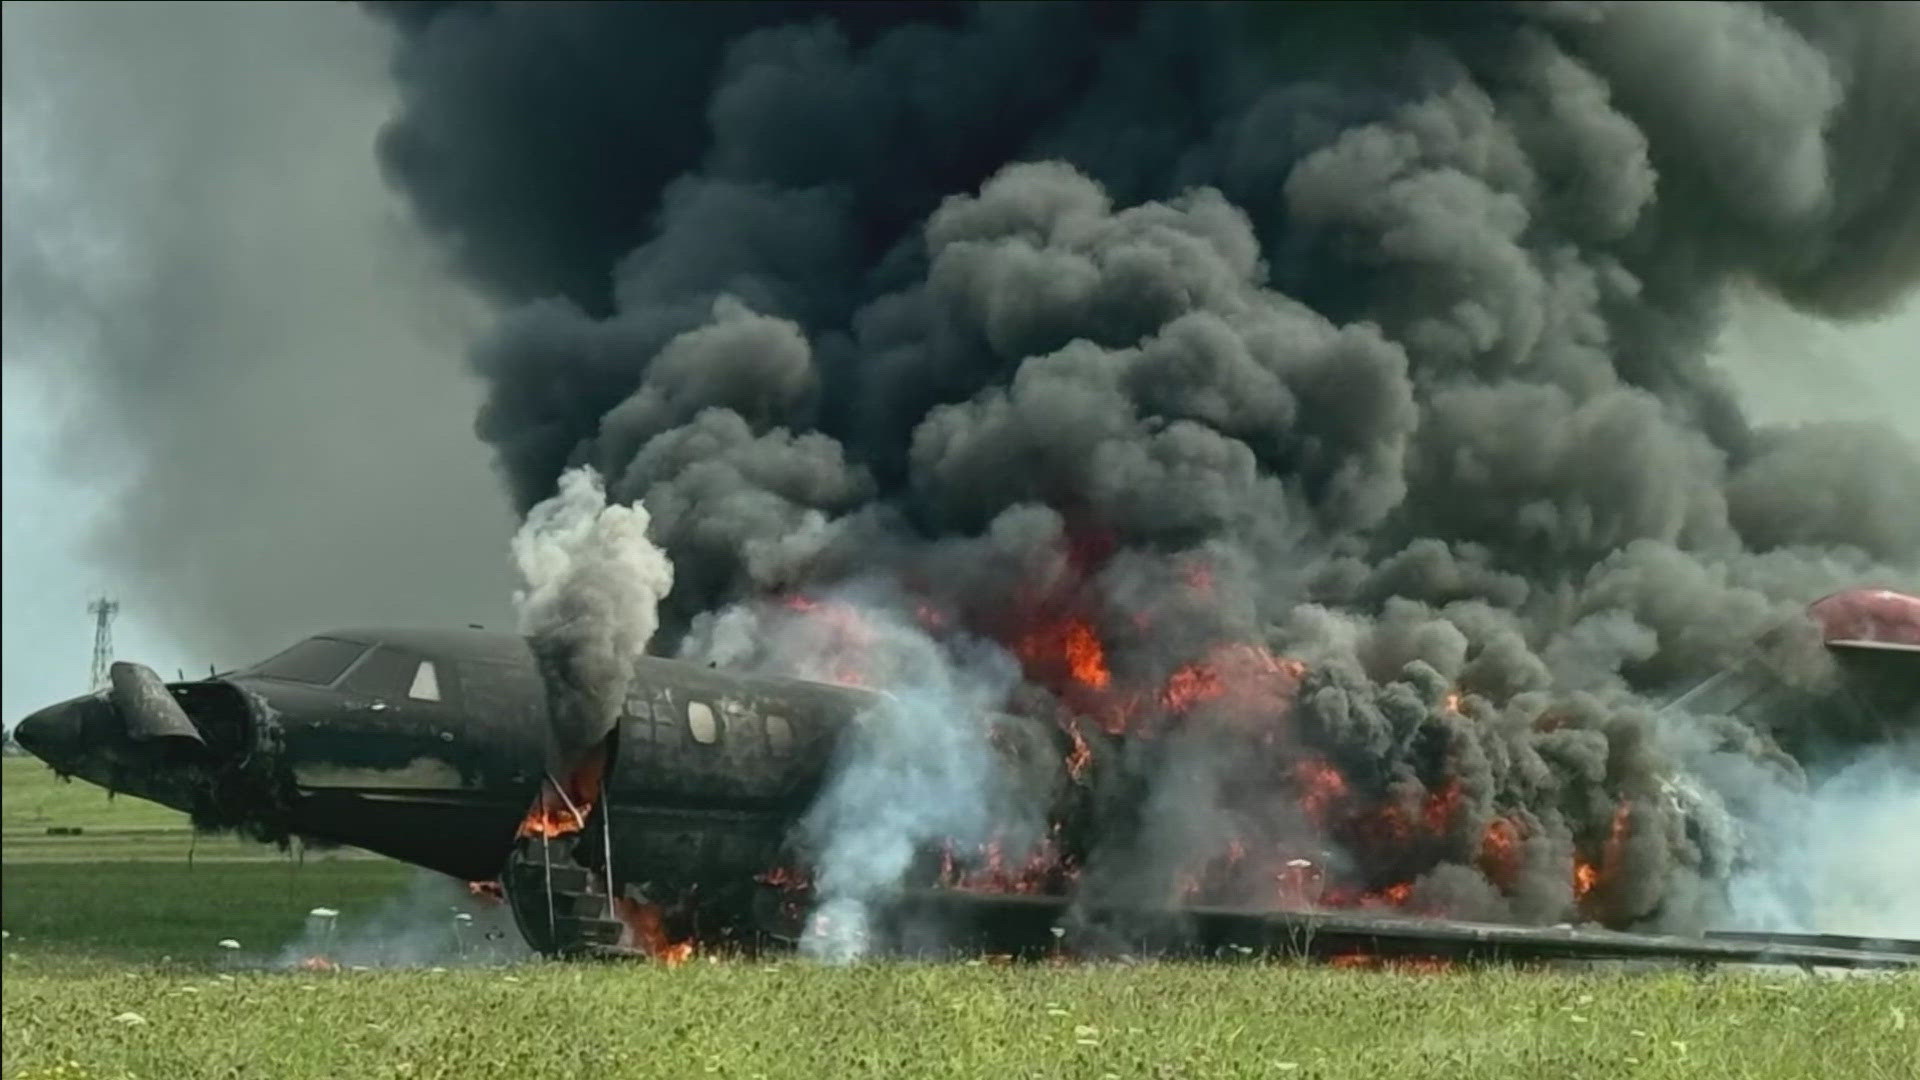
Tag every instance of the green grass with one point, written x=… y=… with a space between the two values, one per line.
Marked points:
x=87 y=942
x=112 y=971
x=792 y=1019
x=143 y=912
x=112 y=828
x=33 y=798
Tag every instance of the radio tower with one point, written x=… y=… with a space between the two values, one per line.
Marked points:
x=103 y=610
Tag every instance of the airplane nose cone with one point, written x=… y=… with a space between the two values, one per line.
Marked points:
x=54 y=733
x=137 y=745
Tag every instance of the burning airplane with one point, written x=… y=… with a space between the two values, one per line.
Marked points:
x=681 y=825
x=1087 y=462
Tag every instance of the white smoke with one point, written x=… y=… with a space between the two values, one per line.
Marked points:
x=1840 y=858
x=918 y=770
x=437 y=921
x=591 y=605
x=577 y=552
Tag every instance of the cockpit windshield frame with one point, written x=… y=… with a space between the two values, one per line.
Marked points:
x=316 y=661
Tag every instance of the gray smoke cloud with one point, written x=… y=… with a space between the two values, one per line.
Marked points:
x=247 y=342
x=1158 y=342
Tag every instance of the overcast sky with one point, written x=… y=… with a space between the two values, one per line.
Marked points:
x=218 y=317
x=219 y=324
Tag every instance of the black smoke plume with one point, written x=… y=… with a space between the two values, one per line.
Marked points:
x=1370 y=336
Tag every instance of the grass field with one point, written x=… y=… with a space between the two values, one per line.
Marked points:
x=791 y=1019
x=46 y=819
x=112 y=970
x=32 y=797
x=152 y=912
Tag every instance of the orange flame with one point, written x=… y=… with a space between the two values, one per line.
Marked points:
x=1321 y=787
x=1500 y=852
x=1067 y=644
x=555 y=815
x=1585 y=874
x=1394 y=895
x=1190 y=686
x=1086 y=656
x=1585 y=877
x=1081 y=755
x=1421 y=964
x=1442 y=805
x=1056 y=631
x=644 y=930
x=992 y=871
x=1256 y=681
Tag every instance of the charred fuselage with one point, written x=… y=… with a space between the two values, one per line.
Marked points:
x=676 y=822
x=431 y=746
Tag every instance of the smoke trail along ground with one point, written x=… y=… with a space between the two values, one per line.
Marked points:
x=435 y=921
x=1169 y=345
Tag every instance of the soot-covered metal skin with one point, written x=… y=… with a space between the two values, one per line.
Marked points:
x=437 y=748
x=430 y=746
x=705 y=775
x=421 y=745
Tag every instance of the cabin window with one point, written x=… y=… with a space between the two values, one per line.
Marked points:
x=636 y=707
x=317 y=661
x=662 y=717
x=426 y=683
x=779 y=734
x=701 y=723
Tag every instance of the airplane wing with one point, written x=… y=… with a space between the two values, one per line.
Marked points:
x=1030 y=925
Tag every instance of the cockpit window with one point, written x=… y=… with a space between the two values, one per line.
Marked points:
x=316 y=661
x=387 y=673
x=426 y=683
